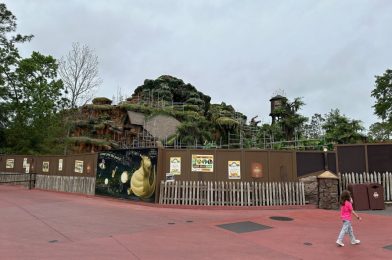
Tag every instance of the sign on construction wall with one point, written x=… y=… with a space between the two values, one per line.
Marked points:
x=234 y=170
x=9 y=164
x=202 y=163
x=175 y=165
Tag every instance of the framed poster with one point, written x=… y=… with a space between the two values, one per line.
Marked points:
x=45 y=166
x=175 y=165
x=202 y=163
x=257 y=170
x=78 y=166
x=9 y=164
x=234 y=170
x=60 y=165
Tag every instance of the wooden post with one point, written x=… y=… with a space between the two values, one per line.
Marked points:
x=30 y=181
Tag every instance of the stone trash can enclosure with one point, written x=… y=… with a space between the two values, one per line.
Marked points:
x=328 y=190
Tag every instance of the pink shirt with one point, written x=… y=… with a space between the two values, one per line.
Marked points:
x=345 y=210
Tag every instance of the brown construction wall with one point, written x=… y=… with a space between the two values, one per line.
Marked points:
x=282 y=166
x=18 y=163
x=49 y=165
x=351 y=158
x=313 y=161
x=359 y=158
x=275 y=165
x=379 y=158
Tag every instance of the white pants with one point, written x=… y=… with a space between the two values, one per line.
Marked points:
x=346 y=229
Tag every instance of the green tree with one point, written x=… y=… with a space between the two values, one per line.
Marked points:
x=341 y=129
x=193 y=132
x=268 y=134
x=380 y=131
x=314 y=130
x=226 y=123
x=35 y=101
x=9 y=57
x=30 y=95
x=383 y=94
x=288 y=117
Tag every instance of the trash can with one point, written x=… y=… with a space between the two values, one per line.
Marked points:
x=359 y=193
x=376 y=196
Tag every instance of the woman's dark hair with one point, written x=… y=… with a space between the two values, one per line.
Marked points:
x=345 y=196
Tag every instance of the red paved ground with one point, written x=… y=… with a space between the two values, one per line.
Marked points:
x=48 y=225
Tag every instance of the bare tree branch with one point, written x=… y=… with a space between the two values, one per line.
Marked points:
x=79 y=72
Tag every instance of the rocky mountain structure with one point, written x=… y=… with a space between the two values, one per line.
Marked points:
x=165 y=110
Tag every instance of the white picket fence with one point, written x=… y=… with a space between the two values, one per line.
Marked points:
x=212 y=193
x=385 y=179
x=75 y=184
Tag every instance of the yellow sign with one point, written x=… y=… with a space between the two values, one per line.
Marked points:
x=234 y=170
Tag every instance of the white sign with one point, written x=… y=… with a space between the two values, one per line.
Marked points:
x=175 y=165
x=169 y=177
x=60 y=165
x=78 y=166
x=9 y=164
x=45 y=166
x=24 y=162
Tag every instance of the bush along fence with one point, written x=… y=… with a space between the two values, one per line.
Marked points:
x=210 y=193
x=84 y=185
x=385 y=179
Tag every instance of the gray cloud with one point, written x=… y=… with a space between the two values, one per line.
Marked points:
x=238 y=52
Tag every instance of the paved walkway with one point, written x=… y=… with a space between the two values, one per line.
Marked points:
x=48 y=225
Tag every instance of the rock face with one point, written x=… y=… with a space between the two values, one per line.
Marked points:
x=328 y=193
x=162 y=126
x=311 y=189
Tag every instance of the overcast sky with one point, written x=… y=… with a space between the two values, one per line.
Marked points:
x=238 y=52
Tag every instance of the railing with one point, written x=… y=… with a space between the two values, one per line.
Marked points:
x=74 y=184
x=385 y=179
x=232 y=193
x=17 y=178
